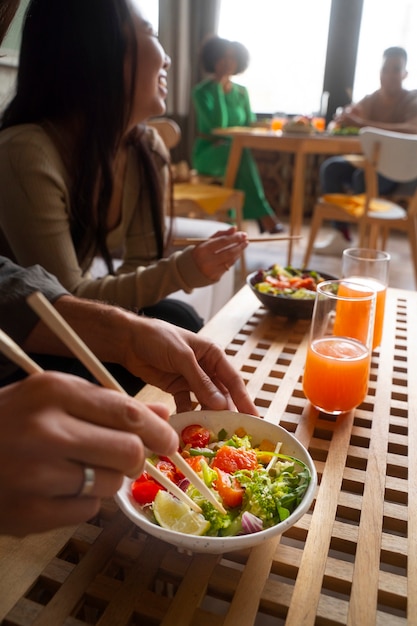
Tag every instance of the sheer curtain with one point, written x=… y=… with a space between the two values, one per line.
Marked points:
x=183 y=24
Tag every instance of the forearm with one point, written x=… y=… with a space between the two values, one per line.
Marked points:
x=104 y=328
x=401 y=127
x=171 y=358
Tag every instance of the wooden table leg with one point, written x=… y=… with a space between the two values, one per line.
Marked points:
x=233 y=162
x=297 y=199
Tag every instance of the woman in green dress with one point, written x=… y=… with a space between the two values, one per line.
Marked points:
x=219 y=103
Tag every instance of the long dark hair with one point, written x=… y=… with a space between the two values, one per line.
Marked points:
x=72 y=68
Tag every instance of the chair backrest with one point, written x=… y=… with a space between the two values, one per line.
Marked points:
x=169 y=130
x=394 y=155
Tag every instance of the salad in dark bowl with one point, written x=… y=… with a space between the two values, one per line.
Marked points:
x=287 y=291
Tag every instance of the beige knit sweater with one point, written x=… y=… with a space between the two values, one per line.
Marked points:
x=34 y=209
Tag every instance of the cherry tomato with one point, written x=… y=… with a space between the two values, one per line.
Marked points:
x=143 y=477
x=145 y=490
x=231 y=492
x=231 y=459
x=196 y=436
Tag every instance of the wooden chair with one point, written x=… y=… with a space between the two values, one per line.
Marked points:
x=198 y=198
x=393 y=155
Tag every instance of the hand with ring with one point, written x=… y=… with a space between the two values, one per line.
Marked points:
x=89 y=481
x=65 y=444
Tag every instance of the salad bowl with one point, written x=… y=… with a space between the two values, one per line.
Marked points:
x=296 y=305
x=229 y=421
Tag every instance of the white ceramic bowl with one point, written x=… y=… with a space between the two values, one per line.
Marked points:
x=230 y=421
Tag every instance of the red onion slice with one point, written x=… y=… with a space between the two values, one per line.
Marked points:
x=251 y=523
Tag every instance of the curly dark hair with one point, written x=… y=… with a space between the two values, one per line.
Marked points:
x=216 y=48
x=241 y=54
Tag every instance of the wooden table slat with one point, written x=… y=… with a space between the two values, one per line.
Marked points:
x=351 y=559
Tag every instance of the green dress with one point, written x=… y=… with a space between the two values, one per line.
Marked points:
x=217 y=109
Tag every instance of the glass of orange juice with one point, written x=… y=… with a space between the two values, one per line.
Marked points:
x=319 y=124
x=369 y=267
x=278 y=122
x=336 y=372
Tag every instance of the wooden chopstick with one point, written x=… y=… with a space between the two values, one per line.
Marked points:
x=17 y=355
x=190 y=241
x=13 y=352
x=170 y=486
x=274 y=458
x=50 y=316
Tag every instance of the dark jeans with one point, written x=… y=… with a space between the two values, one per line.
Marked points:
x=174 y=311
x=339 y=176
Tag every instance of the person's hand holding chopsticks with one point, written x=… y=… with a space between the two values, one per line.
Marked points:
x=219 y=253
x=54 y=427
x=69 y=337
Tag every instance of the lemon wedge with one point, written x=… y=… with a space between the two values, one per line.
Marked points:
x=175 y=515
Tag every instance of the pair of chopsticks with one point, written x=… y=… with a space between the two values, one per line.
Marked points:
x=192 y=241
x=59 y=326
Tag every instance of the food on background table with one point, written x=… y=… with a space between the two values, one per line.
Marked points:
x=258 y=486
x=288 y=281
x=299 y=124
x=345 y=130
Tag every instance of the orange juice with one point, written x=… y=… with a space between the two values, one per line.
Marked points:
x=277 y=123
x=352 y=317
x=336 y=374
x=319 y=123
x=381 y=293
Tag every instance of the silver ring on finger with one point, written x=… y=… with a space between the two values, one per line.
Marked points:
x=89 y=481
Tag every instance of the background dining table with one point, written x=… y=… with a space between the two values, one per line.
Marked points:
x=299 y=144
x=350 y=560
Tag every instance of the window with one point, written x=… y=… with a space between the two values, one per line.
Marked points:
x=287 y=42
x=396 y=25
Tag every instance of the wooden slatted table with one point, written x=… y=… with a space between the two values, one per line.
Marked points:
x=352 y=559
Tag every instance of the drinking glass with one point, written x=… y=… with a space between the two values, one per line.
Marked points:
x=369 y=267
x=319 y=123
x=278 y=122
x=336 y=372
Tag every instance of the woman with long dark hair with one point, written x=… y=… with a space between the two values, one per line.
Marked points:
x=82 y=175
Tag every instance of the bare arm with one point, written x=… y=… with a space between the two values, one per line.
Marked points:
x=364 y=112
x=171 y=358
x=353 y=118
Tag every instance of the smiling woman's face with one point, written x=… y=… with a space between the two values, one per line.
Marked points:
x=152 y=65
